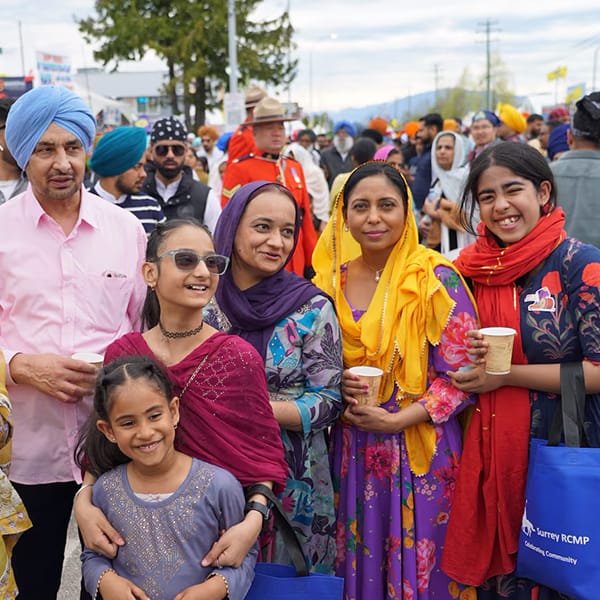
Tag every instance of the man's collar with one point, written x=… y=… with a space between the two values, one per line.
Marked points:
x=270 y=155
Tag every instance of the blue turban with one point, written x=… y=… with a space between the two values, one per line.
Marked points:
x=557 y=141
x=345 y=125
x=486 y=115
x=223 y=141
x=33 y=112
x=118 y=151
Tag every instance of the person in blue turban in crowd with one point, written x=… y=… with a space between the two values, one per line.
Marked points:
x=71 y=283
x=336 y=159
x=558 y=143
x=484 y=131
x=118 y=160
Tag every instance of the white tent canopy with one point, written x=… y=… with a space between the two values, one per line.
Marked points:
x=99 y=103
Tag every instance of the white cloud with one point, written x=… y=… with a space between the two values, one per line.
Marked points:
x=382 y=48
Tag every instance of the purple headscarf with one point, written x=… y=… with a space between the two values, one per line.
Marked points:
x=254 y=312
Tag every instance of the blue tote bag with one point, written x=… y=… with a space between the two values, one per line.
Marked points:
x=559 y=544
x=283 y=582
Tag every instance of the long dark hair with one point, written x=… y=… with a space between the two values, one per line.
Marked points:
x=522 y=159
x=151 y=308
x=376 y=167
x=93 y=451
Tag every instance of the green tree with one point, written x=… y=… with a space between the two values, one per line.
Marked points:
x=469 y=94
x=191 y=37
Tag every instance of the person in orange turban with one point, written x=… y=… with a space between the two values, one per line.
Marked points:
x=379 y=124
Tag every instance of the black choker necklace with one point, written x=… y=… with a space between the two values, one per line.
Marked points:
x=180 y=334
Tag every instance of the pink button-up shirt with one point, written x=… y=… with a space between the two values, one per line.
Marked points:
x=62 y=294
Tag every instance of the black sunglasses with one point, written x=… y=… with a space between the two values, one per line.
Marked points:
x=163 y=150
x=186 y=260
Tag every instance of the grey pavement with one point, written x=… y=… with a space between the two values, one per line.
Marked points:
x=71 y=576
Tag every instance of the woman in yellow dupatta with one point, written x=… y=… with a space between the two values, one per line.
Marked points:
x=13 y=517
x=404 y=309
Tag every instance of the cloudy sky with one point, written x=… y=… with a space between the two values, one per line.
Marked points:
x=358 y=52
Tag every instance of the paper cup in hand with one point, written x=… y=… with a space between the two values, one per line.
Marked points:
x=500 y=344
x=372 y=377
x=89 y=357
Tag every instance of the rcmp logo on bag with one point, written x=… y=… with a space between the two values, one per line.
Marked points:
x=550 y=542
x=559 y=543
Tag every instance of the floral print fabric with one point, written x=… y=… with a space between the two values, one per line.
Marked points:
x=391 y=524
x=304 y=365
x=559 y=309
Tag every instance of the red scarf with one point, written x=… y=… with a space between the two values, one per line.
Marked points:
x=483 y=532
x=225 y=415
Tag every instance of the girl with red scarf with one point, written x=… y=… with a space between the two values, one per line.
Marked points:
x=529 y=275
x=226 y=417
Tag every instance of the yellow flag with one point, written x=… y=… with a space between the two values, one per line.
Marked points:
x=574 y=93
x=558 y=73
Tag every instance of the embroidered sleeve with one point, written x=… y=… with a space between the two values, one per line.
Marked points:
x=306 y=363
x=442 y=399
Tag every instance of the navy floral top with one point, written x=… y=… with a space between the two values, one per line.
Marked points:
x=560 y=322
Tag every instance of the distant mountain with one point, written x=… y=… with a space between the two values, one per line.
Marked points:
x=400 y=108
x=410 y=106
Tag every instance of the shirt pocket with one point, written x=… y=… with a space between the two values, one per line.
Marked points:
x=104 y=302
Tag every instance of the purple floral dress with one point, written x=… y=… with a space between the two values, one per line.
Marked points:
x=391 y=523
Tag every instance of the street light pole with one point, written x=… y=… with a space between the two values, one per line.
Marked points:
x=594 y=68
x=310 y=79
x=233 y=67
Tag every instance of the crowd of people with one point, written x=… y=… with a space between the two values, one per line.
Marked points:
x=230 y=283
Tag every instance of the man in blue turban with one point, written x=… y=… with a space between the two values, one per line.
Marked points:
x=71 y=282
x=336 y=159
x=118 y=160
x=31 y=115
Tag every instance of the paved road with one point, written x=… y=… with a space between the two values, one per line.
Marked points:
x=72 y=567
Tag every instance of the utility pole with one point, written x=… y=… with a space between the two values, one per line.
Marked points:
x=594 y=67
x=21 y=49
x=489 y=28
x=436 y=81
x=233 y=67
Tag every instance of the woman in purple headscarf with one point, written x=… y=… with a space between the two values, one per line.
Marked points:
x=294 y=327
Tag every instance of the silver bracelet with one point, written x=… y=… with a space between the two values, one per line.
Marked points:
x=83 y=487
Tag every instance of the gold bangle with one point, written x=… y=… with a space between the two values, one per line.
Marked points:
x=100 y=579
x=213 y=574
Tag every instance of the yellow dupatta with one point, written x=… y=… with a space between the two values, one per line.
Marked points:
x=409 y=309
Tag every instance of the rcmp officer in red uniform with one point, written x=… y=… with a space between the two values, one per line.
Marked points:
x=266 y=163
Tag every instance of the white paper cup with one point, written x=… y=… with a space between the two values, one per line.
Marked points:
x=89 y=357
x=500 y=344
x=372 y=377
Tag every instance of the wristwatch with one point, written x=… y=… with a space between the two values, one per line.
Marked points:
x=265 y=511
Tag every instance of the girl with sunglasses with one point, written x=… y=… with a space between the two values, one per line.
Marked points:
x=226 y=417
